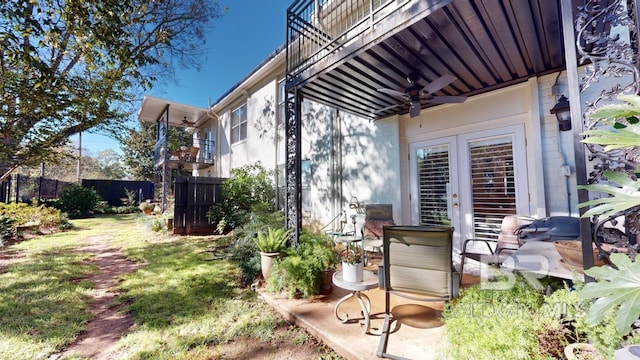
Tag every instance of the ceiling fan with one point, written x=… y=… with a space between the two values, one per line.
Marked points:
x=417 y=94
x=188 y=123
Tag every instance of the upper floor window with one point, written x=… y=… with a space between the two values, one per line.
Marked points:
x=239 y=124
x=208 y=145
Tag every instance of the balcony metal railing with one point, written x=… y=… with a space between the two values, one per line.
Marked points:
x=317 y=28
x=201 y=151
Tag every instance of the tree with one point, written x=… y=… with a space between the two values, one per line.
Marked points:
x=71 y=66
x=110 y=165
x=138 y=148
x=107 y=164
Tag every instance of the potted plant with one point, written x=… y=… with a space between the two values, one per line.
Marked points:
x=306 y=269
x=270 y=243
x=352 y=263
x=146 y=207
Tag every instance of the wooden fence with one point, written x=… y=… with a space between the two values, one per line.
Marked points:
x=113 y=191
x=193 y=198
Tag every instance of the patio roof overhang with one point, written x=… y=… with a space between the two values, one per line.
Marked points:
x=485 y=44
x=180 y=115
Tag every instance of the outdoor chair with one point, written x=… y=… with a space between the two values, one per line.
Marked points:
x=497 y=250
x=376 y=216
x=417 y=265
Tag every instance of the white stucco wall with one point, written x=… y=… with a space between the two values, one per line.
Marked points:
x=370 y=162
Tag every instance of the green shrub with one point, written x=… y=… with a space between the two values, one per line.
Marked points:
x=244 y=250
x=573 y=312
x=33 y=214
x=249 y=189
x=127 y=209
x=102 y=207
x=152 y=222
x=78 y=201
x=6 y=229
x=494 y=324
x=300 y=271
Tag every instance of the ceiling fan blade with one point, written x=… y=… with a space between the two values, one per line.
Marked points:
x=439 y=83
x=391 y=92
x=447 y=100
x=414 y=110
x=386 y=108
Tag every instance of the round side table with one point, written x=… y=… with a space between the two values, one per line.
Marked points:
x=369 y=281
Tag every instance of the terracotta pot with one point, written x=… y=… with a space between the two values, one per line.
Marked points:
x=266 y=263
x=571 y=253
x=582 y=351
x=352 y=272
x=326 y=287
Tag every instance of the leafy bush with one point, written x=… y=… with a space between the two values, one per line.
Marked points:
x=249 y=189
x=127 y=209
x=521 y=323
x=300 y=271
x=6 y=229
x=153 y=223
x=78 y=201
x=244 y=251
x=33 y=214
x=494 y=324
x=102 y=207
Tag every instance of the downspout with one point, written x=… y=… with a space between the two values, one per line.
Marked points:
x=213 y=115
x=566 y=169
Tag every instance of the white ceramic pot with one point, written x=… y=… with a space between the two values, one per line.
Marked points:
x=266 y=263
x=352 y=272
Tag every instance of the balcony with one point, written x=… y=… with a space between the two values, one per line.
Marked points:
x=342 y=53
x=317 y=28
x=198 y=156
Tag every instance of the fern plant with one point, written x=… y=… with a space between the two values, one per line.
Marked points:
x=273 y=240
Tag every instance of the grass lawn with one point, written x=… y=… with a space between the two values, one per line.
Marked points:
x=186 y=301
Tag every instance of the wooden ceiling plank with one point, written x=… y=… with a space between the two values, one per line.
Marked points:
x=548 y=19
x=466 y=16
x=500 y=30
x=452 y=39
x=526 y=34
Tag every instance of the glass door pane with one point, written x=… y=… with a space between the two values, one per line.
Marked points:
x=433 y=185
x=493 y=184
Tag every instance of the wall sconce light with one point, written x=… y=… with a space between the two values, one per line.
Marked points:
x=562 y=111
x=354 y=203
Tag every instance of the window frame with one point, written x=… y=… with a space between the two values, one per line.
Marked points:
x=236 y=129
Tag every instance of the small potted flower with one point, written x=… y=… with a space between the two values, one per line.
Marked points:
x=352 y=263
x=146 y=207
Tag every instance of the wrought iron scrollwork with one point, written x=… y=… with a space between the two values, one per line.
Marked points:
x=293 y=201
x=607 y=41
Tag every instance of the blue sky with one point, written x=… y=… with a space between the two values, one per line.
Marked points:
x=237 y=43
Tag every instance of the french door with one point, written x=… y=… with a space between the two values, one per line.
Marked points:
x=469 y=181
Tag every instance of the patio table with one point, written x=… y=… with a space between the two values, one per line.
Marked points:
x=369 y=281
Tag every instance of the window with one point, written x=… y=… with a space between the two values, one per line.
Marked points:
x=208 y=146
x=239 y=124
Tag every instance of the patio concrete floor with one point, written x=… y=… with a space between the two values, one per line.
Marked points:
x=316 y=315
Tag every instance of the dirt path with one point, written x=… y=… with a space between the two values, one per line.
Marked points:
x=110 y=323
